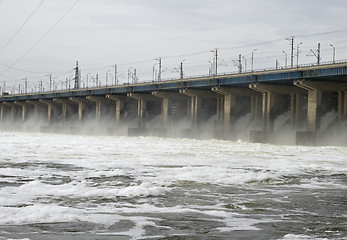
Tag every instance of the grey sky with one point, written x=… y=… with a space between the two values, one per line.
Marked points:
x=101 y=33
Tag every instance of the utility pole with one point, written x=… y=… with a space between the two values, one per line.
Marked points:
x=317 y=55
x=134 y=76
x=318 y=51
x=115 y=75
x=26 y=85
x=291 y=40
x=159 y=70
x=181 y=70
x=50 y=82
x=77 y=78
x=240 y=64
x=215 y=61
x=97 y=80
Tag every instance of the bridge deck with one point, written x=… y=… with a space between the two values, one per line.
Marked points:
x=328 y=72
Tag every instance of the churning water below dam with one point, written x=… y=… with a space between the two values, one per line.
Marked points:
x=57 y=186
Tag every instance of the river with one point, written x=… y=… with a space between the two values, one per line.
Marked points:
x=59 y=186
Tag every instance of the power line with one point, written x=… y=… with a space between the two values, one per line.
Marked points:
x=44 y=35
x=322 y=33
x=29 y=71
x=21 y=27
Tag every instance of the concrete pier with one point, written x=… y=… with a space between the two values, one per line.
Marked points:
x=221 y=106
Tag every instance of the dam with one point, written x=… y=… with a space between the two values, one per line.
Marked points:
x=265 y=105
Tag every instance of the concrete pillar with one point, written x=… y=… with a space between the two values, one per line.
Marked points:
x=233 y=104
x=39 y=109
x=166 y=101
x=342 y=105
x=196 y=97
x=296 y=108
x=24 y=107
x=66 y=108
x=52 y=110
x=100 y=104
x=256 y=106
x=315 y=105
x=141 y=107
x=271 y=106
x=120 y=104
x=345 y=105
x=81 y=102
x=2 y=112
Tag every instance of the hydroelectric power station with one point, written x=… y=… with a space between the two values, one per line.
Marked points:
x=193 y=107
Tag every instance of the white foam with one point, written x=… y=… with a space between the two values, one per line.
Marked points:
x=300 y=237
x=52 y=213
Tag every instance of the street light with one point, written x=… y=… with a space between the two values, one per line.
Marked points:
x=107 y=76
x=245 y=63
x=253 y=57
x=210 y=68
x=297 y=54
x=333 y=52
x=285 y=58
x=154 y=72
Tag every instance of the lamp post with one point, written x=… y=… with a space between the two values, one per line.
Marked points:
x=245 y=63
x=210 y=68
x=154 y=73
x=285 y=55
x=297 y=54
x=333 y=52
x=253 y=57
x=107 y=77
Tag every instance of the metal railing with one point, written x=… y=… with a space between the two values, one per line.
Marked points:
x=254 y=72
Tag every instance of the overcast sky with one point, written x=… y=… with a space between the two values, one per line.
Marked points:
x=133 y=33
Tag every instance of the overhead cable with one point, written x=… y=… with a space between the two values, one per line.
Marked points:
x=21 y=27
x=43 y=36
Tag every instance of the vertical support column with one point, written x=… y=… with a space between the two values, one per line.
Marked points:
x=66 y=108
x=345 y=105
x=196 y=97
x=166 y=104
x=142 y=107
x=341 y=105
x=120 y=104
x=165 y=112
x=313 y=110
x=229 y=102
x=2 y=112
x=141 y=111
x=24 y=110
x=81 y=106
x=220 y=111
x=119 y=108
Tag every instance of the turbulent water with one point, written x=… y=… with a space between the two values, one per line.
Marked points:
x=91 y=187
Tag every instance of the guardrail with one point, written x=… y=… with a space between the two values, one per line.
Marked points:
x=256 y=71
